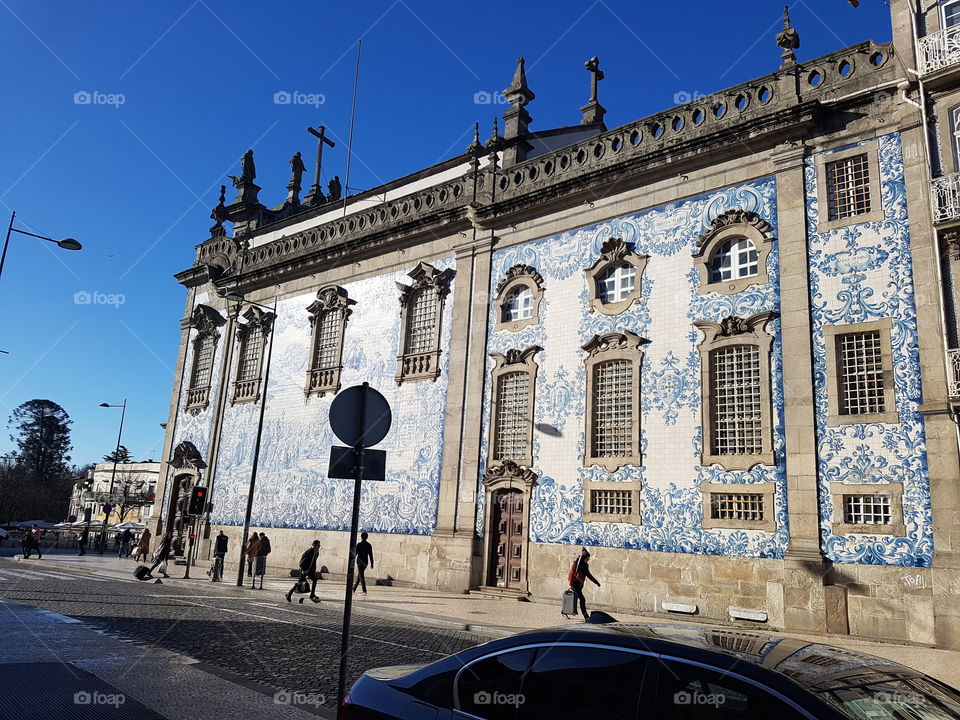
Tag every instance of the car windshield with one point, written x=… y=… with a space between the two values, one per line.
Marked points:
x=884 y=696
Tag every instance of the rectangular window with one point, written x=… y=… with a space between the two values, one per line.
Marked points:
x=848 y=187
x=328 y=339
x=737 y=506
x=203 y=362
x=866 y=510
x=737 y=394
x=250 y=358
x=611 y=502
x=612 y=409
x=951 y=13
x=861 y=378
x=421 y=321
x=512 y=429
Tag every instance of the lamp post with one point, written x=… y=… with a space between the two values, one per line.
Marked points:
x=256 y=446
x=66 y=243
x=113 y=475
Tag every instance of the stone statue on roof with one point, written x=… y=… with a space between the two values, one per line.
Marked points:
x=334 y=189
x=248 y=171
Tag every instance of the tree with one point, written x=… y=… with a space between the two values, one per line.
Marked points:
x=41 y=482
x=121 y=455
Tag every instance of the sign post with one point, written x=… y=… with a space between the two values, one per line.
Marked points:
x=360 y=417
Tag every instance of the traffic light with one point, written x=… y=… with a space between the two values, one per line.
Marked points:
x=198 y=501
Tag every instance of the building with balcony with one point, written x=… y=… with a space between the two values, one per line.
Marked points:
x=134 y=487
x=712 y=344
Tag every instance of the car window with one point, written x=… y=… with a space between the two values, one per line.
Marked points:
x=490 y=688
x=692 y=692
x=585 y=682
x=871 y=696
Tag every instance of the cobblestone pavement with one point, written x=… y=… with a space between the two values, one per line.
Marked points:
x=258 y=636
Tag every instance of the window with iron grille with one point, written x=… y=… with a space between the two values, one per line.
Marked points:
x=736 y=506
x=203 y=361
x=737 y=397
x=329 y=327
x=421 y=322
x=860 y=381
x=866 y=509
x=512 y=429
x=611 y=502
x=617 y=283
x=518 y=304
x=848 y=187
x=734 y=259
x=612 y=409
x=249 y=366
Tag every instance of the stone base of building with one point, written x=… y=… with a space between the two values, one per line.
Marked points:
x=798 y=594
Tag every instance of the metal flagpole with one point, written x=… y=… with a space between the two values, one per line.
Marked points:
x=353 y=115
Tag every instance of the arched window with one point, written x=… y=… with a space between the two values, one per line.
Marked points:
x=616 y=284
x=328 y=317
x=518 y=299
x=518 y=305
x=613 y=281
x=732 y=254
x=733 y=259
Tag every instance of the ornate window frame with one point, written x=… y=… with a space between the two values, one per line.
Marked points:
x=614 y=252
x=733 y=330
x=890 y=415
x=514 y=361
x=206 y=321
x=422 y=365
x=516 y=277
x=728 y=226
x=870 y=149
x=248 y=391
x=326 y=379
x=893 y=490
x=601 y=349
x=631 y=486
x=766 y=489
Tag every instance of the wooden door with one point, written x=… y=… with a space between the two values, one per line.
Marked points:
x=509 y=540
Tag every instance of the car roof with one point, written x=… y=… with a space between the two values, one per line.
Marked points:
x=812 y=665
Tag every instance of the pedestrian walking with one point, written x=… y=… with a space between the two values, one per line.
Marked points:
x=308 y=571
x=143 y=547
x=160 y=557
x=260 y=567
x=125 y=537
x=253 y=544
x=364 y=558
x=35 y=541
x=219 y=552
x=579 y=572
x=25 y=545
x=83 y=539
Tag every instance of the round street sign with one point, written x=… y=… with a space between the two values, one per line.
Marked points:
x=360 y=414
x=107 y=509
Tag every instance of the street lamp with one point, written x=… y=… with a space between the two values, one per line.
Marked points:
x=66 y=243
x=234 y=297
x=113 y=475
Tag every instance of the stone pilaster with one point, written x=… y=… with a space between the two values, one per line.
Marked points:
x=804 y=605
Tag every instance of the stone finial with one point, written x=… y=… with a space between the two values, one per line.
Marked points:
x=593 y=111
x=788 y=39
x=493 y=143
x=219 y=214
x=475 y=146
x=519 y=94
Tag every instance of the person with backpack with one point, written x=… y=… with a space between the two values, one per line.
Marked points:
x=308 y=572
x=579 y=572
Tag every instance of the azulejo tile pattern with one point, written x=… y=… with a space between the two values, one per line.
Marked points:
x=858 y=273
x=669 y=303
x=293 y=490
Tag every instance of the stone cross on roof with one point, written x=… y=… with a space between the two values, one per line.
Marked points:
x=593 y=111
x=788 y=39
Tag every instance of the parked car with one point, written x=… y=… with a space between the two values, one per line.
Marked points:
x=628 y=671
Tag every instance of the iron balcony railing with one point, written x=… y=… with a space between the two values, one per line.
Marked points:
x=945 y=191
x=953 y=373
x=939 y=50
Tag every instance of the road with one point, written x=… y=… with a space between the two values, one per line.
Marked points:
x=258 y=636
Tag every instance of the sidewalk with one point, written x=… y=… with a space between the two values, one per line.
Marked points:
x=485 y=615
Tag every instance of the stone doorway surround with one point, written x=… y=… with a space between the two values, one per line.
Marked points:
x=507 y=476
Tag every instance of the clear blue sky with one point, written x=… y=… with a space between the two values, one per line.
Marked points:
x=134 y=182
